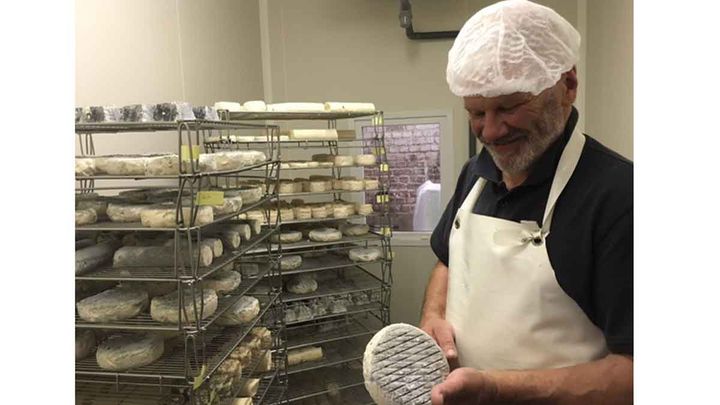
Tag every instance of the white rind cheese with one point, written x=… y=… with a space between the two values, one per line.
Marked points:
x=163 y=165
x=364 y=254
x=353 y=185
x=354 y=229
x=286 y=237
x=121 y=165
x=343 y=160
x=113 y=305
x=401 y=364
x=314 y=134
x=254 y=105
x=365 y=160
x=84 y=166
x=240 y=313
x=301 y=284
x=157 y=256
x=123 y=352
x=120 y=212
x=291 y=262
x=305 y=354
x=164 y=216
x=296 y=107
x=84 y=343
x=319 y=212
x=165 y=308
x=85 y=216
x=302 y=212
x=223 y=281
x=249 y=194
x=325 y=235
x=364 y=209
x=343 y=210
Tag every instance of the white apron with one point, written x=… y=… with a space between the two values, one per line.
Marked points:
x=503 y=300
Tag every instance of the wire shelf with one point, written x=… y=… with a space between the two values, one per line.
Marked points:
x=177 y=368
x=324 y=381
x=329 y=262
x=138 y=227
x=167 y=274
x=193 y=125
x=321 y=220
x=311 y=193
x=353 y=280
x=331 y=331
x=334 y=353
x=269 y=115
x=352 y=310
x=308 y=244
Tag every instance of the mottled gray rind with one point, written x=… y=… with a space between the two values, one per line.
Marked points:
x=165 y=308
x=113 y=305
x=123 y=352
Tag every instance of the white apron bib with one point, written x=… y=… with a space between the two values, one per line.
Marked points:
x=503 y=300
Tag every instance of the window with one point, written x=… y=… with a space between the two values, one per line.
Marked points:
x=412 y=144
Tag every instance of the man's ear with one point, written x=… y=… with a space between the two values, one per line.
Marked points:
x=570 y=80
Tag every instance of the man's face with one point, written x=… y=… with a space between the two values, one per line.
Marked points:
x=517 y=128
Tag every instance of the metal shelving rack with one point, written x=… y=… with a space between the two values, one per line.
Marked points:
x=342 y=336
x=195 y=349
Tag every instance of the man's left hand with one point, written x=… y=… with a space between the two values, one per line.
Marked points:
x=465 y=386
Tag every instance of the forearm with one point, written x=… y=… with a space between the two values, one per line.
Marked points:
x=605 y=381
x=435 y=293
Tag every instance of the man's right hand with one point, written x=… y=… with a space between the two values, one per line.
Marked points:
x=442 y=331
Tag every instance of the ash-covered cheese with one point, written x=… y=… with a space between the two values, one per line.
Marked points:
x=364 y=254
x=84 y=343
x=286 y=237
x=223 y=281
x=90 y=258
x=354 y=229
x=301 y=284
x=291 y=262
x=85 y=217
x=401 y=365
x=165 y=308
x=162 y=165
x=242 y=312
x=113 y=305
x=325 y=235
x=249 y=269
x=121 y=212
x=126 y=351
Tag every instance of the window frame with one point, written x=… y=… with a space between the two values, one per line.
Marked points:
x=444 y=119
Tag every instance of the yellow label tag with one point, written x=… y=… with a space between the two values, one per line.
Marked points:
x=385 y=230
x=382 y=198
x=377 y=120
x=210 y=198
x=384 y=167
x=378 y=151
x=391 y=255
x=197 y=382
x=185 y=152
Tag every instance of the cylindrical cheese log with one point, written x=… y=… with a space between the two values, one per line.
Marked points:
x=84 y=166
x=164 y=165
x=291 y=262
x=223 y=281
x=99 y=206
x=113 y=305
x=354 y=229
x=364 y=254
x=371 y=184
x=353 y=185
x=364 y=209
x=249 y=194
x=286 y=237
x=121 y=165
x=165 y=216
x=342 y=160
x=325 y=235
x=122 y=352
x=118 y=212
x=301 y=284
x=305 y=354
x=242 y=312
x=85 y=217
x=84 y=343
x=165 y=309
x=231 y=240
x=365 y=160
x=90 y=258
x=215 y=244
x=158 y=256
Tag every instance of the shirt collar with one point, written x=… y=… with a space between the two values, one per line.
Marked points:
x=542 y=170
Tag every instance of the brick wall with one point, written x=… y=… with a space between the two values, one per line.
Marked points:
x=411 y=149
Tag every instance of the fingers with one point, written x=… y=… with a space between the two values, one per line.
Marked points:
x=436 y=396
x=446 y=340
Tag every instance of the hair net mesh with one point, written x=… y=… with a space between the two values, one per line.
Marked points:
x=511 y=46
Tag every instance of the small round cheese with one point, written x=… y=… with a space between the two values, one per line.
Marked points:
x=364 y=254
x=302 y=284
x=286 y=187
x=343 y=210
x=123 y=352
x=319 y=211
x=291 y=262
x=315 y=186
x=325 y=235
x=286 y=237
x=365 y=160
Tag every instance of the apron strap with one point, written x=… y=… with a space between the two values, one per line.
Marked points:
x=566 y=166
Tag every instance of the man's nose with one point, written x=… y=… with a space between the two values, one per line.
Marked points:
x=494 y=127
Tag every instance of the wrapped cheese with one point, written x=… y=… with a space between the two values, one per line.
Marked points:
x=123 y=352
x=113 y=305
x=165 y=308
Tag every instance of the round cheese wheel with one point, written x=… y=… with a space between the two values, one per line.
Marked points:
x=315 y=186
x=223 y=281
x=319 y=211
x=343 y=161
x=286 y=237
x=286 y=214
x=85 y=217
x=399 y=354
x=354 y=229
x=291 y=262
x=84 y=343
x=371 y=184
x=123 y=352
x=364 y=254
x=241 y=312
x=113 y=305
x=286 y=187
x=364 y=209
x=325 y=235
x=353 y=185
x=302 y=284
x=343 y=210
x=255 y=105
x=365 y=160
x=303 y=313
x=165 y=308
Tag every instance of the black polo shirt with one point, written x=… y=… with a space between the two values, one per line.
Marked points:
x=591 y=238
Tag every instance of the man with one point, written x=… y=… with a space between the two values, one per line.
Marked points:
x=532 y=293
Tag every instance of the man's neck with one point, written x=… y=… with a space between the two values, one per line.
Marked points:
x=513 y=180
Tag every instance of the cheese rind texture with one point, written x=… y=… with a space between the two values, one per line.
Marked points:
x=89 y=258
x=301 y=284
x=165 y=308
x=305 y=354
x=113 y=305
x=401 y=364
x=241 y=312
x=286 y=237
x=291 y=262
x=85 y=216
x=364 y=254
x=354 y=229
x=223 y=281
x=325 y=235
x=123 y=352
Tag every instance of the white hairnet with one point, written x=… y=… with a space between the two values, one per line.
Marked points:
x=511 y=46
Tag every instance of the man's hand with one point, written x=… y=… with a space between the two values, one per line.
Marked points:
x=465 y=386
x=442 y=331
